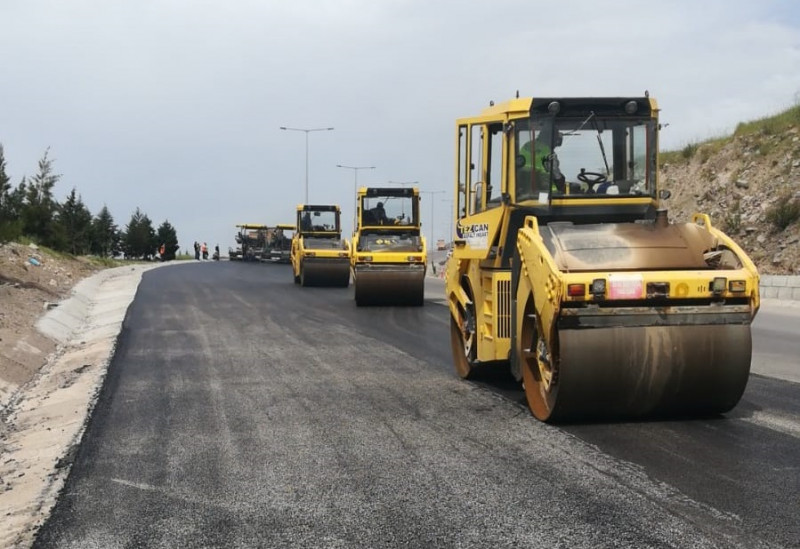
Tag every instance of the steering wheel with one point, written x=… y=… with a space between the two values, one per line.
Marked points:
x=592 y=178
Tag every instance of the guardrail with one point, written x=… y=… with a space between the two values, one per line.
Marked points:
x=783 y=287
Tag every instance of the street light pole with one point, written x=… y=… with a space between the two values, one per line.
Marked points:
x=450 y=203
x=306 y=131
x=355 y=186
x=431 y=231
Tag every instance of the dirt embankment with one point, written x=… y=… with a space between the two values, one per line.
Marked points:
x=30 y=282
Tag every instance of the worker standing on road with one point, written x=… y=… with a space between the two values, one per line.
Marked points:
x=204 y=249
x=161 y=250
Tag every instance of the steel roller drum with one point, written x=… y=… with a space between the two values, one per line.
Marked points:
x=650 y=371
x=325 y=272
x=390 y=285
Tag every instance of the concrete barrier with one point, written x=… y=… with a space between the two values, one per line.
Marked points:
x=783 y=287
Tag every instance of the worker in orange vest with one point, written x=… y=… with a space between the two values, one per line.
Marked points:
x=204 y=249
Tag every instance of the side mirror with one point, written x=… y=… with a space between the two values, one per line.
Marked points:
x=520 y=162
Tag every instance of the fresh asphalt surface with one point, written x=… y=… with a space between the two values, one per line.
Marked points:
x=241 y=410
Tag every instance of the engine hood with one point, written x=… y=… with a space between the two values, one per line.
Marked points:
x=627 y=246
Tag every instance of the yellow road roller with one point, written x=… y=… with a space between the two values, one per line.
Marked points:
x=319 y=255
x=389 y=255
x=567 y=269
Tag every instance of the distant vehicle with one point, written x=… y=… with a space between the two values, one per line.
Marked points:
x=253 y=240
x=388 y=250
x=319 y=255
x=280 y=243
x=441 y=245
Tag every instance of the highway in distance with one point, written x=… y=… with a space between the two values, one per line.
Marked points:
x=242 y=410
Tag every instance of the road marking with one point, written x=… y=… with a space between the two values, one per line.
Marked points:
x=139 y=485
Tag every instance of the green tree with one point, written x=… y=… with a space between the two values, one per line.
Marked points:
x=105 y=234
x=39 y=210
x=167 y=236
x=139 y=239
x=75 y=221
x=10 y=225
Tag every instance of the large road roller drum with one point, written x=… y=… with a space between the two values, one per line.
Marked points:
x=322 y=271
x=389 y=285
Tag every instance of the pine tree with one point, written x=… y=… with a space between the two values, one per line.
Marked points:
x=167 y=236
x=5 y=181
x=75 y=222
x=139 y=240
x=39 y=210
x=10 y=225
x=105 y=235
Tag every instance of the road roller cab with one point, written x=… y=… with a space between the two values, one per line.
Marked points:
x=389 y=255
x=566 y=269
x=319 y=256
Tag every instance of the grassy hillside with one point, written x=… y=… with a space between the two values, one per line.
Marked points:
x=749 y=183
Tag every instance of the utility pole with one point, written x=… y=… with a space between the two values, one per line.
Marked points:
x=450 y=234
x=431 y=232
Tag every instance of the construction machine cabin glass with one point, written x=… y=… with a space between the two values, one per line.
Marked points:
x=318 y=219
x=389 y=209
x=586 y=156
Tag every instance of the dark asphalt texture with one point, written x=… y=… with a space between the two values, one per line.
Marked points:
x=241 y=410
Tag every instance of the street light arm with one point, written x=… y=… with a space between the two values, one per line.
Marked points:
x=306 y=129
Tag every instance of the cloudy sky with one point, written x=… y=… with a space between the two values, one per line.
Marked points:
x=174 y=106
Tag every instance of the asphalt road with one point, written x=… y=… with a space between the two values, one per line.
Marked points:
x=241 y=410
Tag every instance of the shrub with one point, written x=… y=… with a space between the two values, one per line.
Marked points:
x=688 y=151
x=732 y=221
x=784 y=212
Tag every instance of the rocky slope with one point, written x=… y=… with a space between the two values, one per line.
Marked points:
x=740 y=182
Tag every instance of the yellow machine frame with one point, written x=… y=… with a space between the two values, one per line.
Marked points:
x=319 y=256
x=382 y=273
x=492 y=299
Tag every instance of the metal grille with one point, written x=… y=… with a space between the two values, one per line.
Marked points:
x=504 y=309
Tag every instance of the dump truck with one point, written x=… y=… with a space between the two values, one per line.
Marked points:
x=389 y=256
x=253 y=241
x=319 y=256
x=567 y=270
